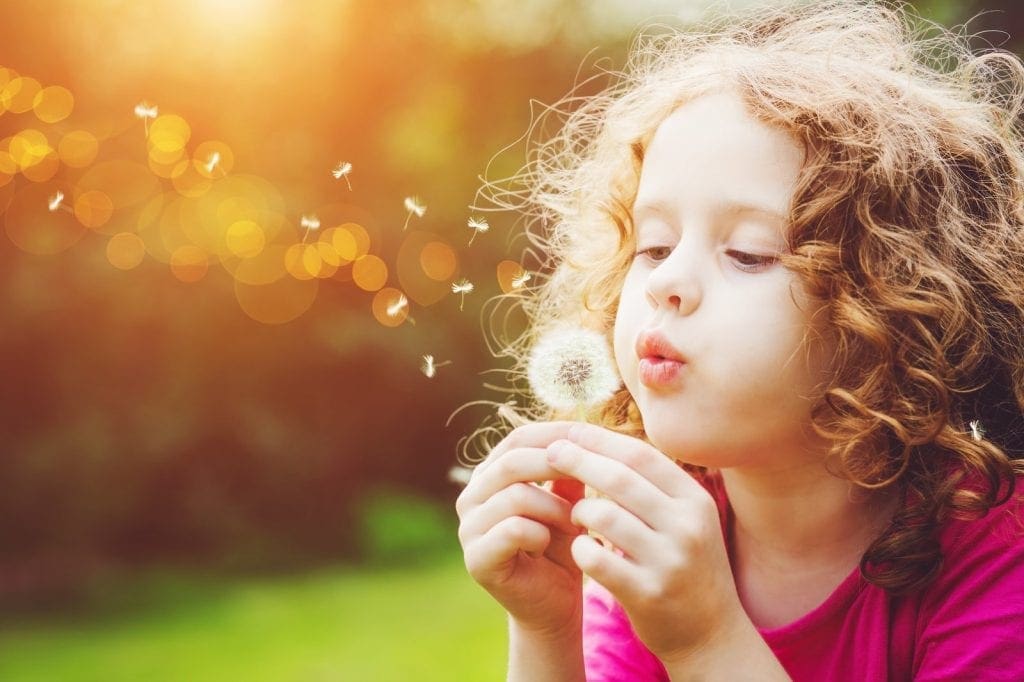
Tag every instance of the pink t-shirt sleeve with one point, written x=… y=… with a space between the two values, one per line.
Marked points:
x=611 y=650
x=973 y=625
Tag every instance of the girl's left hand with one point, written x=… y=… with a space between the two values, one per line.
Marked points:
x=675 y=581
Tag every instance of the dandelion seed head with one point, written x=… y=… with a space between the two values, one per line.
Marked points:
x=977 y=430
x=344 y=168
x=55 y=201
x=479 y=224
x=463 y=286
x=413 y=205
x=429 y=368
x=572 y=368
x=310 y=222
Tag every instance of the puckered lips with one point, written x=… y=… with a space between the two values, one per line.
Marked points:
x=661 y=364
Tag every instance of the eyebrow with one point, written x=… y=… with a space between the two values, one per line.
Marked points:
x=664 y=209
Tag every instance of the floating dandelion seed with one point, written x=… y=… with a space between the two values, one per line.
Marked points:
x=479 y=226
x=572 y=369
x=342 y=171
x=212 y=162
x=310 y=222
x=413 y=205
x=429 y=367
x=396 y=307
x=463 y=286
x=400 y=304
x=55 y=201
x=520 y=281
x=977 y=430
x=460 y=475
x=145 y=112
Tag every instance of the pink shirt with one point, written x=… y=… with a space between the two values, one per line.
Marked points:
x=967 y=625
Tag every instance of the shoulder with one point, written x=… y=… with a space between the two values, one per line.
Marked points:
x=972 y=616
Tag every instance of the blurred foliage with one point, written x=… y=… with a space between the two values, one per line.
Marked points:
x=148 y=420
x=399 y=529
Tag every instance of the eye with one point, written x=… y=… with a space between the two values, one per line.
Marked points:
x=655 y=253
x=751 y=262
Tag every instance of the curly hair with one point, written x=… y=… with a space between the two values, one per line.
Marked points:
x=907 y=224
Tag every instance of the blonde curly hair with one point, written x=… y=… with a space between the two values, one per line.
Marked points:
x=907 y=224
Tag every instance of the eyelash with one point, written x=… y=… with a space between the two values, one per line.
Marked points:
x=763 y=261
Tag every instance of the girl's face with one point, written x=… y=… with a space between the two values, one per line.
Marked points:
x=705 y=287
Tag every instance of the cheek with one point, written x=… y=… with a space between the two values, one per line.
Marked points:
x=624 y=340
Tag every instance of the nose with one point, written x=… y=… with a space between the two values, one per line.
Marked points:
x=674 y=284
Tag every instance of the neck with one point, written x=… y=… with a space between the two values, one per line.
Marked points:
x=802 y=516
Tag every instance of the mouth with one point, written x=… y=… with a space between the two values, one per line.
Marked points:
x=660 y=365
x=654 y=347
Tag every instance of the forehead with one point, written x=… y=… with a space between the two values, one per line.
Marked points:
x=710 y=152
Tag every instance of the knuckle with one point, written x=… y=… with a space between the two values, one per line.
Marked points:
x=619 y=480
x=634 y=458
x=519 y=494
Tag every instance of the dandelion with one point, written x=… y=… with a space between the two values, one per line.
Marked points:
x=55 y=201
x=479 y=226
x=212 y=162
x=463 y=286
x=413 y=205
x=429 y=367
x=145 y=112
x=342 y=171
x=310 y=222
x=572 y=368
x=977 y=430
x=520 y=280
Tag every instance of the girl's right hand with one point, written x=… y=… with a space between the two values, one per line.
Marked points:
x=516 y=535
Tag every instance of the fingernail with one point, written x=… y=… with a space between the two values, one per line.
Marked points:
x=557 y=451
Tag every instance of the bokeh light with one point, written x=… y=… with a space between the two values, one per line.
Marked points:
x=189 y=263
x=78 y=148
x=169 y=133
x=508 y=272
x=19 y=93
x=53 y=104
x=370 y=272
x=386 y=309
x=125 y=250
x=36 y=230
x=93 y=208
x=422 y=260
x=279 y=302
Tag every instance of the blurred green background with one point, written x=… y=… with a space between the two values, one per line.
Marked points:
x=190 y=494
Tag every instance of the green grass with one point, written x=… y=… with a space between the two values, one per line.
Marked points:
x=423 y=624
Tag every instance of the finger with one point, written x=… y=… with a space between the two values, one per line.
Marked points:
x=618 y=526
x=519 y=499
x=535 y=435
x=502 y=543
x=611 y=478
x=639 y=456
x=519 y=465
x=614 y=572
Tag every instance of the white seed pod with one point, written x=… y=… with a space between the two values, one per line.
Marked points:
x=572 y=368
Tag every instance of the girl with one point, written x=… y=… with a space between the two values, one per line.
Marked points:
x=803 y=233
